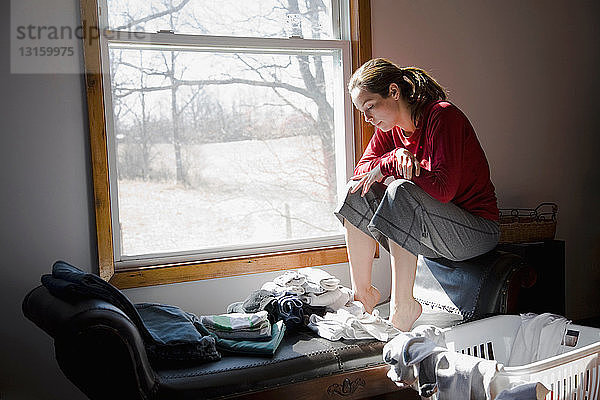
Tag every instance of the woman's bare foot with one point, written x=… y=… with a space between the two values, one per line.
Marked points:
x=404 y=315
x=369 y=299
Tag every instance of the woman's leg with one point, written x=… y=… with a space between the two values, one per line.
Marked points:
x=361 y=251
x=416 y=223
x=355 y=213
x=404 y=309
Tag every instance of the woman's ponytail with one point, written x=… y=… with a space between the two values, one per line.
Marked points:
x=418 y=88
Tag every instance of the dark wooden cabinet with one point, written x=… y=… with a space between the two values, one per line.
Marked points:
x=548 y=260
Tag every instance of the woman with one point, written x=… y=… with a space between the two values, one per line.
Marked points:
x=442 y=201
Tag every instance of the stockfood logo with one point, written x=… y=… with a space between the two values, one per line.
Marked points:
x=47 y=37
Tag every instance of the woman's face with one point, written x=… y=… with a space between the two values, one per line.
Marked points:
x=384 y=113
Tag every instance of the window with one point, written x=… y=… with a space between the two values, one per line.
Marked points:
x=221 y=135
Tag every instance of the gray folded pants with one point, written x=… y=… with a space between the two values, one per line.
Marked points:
x=406 y=214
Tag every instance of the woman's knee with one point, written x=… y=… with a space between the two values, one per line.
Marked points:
x=401 y=188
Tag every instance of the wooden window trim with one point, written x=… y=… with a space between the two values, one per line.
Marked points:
x=361 y=43
x=360 y=36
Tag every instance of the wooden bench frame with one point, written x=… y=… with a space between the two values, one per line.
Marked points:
x=357 y=384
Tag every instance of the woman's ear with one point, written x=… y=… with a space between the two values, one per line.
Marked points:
x=394 y=91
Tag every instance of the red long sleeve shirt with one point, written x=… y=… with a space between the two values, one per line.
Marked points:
x=453 y=165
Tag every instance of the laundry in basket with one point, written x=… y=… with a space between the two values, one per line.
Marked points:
x=538 y=337
x=573 y=373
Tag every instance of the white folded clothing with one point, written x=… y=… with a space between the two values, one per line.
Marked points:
x=290 y=278
x=354 y=307
x=333 y=299
x=320 y=277
x=234 y=321
x=304 y=280
x=323 y=299
x=342 y=324
x=261 y=331
x=278 y=290
x=538 y=337
x=310 y=287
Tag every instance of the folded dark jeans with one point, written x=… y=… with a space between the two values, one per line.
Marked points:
x=168 y=332
x=174 y=334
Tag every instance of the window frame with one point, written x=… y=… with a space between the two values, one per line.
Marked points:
x=156 y=274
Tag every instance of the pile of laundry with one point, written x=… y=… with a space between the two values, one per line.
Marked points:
x=313 y=286
x=421 y=360
x=314 y=299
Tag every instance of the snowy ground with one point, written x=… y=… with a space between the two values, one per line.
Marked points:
x=241 y=193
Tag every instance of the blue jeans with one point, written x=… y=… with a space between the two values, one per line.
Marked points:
x=168 y=332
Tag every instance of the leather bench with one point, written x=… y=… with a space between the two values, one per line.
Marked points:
x=100 y=350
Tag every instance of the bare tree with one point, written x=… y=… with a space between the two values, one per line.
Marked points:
x=191 y=107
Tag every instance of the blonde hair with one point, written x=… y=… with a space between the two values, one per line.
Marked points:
x=417 y=87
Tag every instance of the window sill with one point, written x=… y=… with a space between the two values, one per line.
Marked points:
x=191 y=271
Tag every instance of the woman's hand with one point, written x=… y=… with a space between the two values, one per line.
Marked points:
x=406 y=163
x=366 y=180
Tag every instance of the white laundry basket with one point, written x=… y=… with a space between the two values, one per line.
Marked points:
x=573 y=374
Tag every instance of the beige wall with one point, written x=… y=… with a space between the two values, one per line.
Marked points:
x=525 y=73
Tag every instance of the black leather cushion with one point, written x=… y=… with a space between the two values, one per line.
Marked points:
x=302 y=356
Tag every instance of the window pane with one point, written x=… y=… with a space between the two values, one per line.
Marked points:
x=220 y=149
x=310 y=19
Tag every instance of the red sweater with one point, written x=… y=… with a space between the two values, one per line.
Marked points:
x=453 y=164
